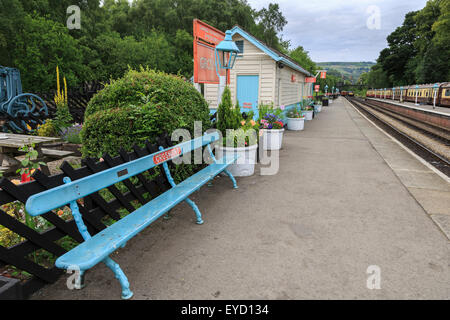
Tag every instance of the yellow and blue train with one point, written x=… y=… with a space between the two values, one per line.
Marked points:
x=424 y=93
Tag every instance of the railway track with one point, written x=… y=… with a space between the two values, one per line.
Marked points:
x=429 y=142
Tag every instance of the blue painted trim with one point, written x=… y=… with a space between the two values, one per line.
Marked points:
x=254 y=41
x=295 y=67
x=275 y=56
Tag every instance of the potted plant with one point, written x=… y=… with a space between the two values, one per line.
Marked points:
x=317 y=106
x=308 y=111
x=240 y=137
x=273 y=131
x=325 y=101
x=295 y=120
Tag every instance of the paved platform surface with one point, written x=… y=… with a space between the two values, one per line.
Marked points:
x=426 y=107
x=335 y=208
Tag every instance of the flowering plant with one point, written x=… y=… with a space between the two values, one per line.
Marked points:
x=245 y=135
x=271 y=121
x=295 y=114
x=72 y=134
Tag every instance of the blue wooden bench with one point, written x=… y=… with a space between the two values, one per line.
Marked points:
x=98 y=248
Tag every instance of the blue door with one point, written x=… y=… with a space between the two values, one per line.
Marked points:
x=247 y=93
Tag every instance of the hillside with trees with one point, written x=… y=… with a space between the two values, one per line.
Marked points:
x=351 y=71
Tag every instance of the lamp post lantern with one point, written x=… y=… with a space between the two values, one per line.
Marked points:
x=225 y=58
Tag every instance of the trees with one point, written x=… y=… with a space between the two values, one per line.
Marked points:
x=418 y=51
x=117 y=34
x=270 y=23
x=40 y=46
x=301 y=56
x=394 y=59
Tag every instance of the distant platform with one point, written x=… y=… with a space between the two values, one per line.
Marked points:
x=423 y=107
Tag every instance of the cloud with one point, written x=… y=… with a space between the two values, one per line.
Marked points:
x=336 y=30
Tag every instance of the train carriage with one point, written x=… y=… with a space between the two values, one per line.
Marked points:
x=444 y=95
x=388 y=94
x=422 y=94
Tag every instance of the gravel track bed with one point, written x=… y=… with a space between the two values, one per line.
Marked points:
x=434 y=145
x=424 y=126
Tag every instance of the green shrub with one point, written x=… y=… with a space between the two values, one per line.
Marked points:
x=228 y=116
x=63 y=119
x=48 y=129
x=138 y=107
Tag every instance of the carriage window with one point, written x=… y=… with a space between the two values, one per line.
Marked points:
x=447 y=93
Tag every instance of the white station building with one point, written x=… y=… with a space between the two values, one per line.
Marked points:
x=262 y=75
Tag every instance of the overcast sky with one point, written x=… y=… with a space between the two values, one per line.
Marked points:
x=337 y=30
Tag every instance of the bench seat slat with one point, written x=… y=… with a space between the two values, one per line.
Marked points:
x=96 y=249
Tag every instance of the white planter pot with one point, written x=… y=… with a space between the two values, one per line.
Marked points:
x=309 y=115
x=296 y=124
x=245 y=165
x=272 y=139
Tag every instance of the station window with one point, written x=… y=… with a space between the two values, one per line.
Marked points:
x=240 y=45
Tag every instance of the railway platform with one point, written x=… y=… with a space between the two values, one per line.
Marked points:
x=346 y=198
x=423 y=107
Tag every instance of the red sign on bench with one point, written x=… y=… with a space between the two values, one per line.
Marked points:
x=167 y=155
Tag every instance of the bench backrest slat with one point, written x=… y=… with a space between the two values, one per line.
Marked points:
x=46 y=201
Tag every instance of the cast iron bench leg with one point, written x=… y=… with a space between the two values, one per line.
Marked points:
x=120 y=275
x=228 y=173
x=196 y=210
